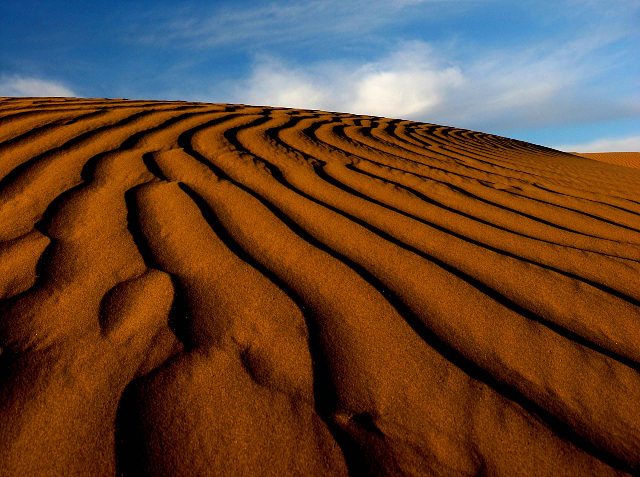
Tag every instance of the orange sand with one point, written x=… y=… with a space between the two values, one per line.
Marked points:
x=211 y=289
x=627 y=159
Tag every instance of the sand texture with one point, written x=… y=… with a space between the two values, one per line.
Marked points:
x=209 y=289
x=627 y=159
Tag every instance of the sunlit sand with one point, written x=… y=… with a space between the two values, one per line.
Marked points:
x=213 y=289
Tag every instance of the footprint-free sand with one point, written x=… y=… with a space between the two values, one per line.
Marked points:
x=627 y=159
x=213 y=289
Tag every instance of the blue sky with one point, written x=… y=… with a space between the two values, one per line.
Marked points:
x=560 y=73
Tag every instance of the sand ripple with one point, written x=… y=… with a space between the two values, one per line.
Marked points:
x=212 y=289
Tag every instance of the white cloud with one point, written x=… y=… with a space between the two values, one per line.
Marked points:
x=273 y=83
x=25 y=86
x=624 y=144
x=495 y=90
x=410 y=81
x=572 y=76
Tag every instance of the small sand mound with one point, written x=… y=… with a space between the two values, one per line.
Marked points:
x=214 y=289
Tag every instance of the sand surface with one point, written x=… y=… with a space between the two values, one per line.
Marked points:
x=210 y=289
x=627 y=159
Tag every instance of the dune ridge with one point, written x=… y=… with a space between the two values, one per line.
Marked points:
x=217 y=289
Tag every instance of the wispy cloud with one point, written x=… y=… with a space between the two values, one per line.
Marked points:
x=541 y=85
x=623 y=144
x=14 y=85
x=278 y=21
x=496 y=89
x=380 y=57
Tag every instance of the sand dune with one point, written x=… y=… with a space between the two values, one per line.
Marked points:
x=627 y=159
x=213 y=289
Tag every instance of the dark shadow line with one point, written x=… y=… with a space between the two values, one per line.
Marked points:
x=132 y=140
x=491 y=203
x=600 y=286
x=402 y=140
x=324 y=390
x=587 y=214
x=179 y=316
x=128 y=143
x=274 y=134
x=459 y=189
x=486 y=289
x=555 y=193
x=558 y=426
x=482 y=157
x=340 y=132
x=364 y=273
x=368 y=133
x=447 y=161
x=449 y=147
x=42 y=128
x=21 y=168
x=596 y=201
x=148 y=159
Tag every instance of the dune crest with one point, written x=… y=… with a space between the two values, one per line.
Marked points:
x=216 y=289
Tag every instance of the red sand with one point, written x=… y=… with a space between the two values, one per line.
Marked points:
x=211 y=289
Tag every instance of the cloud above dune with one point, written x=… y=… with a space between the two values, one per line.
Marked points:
x=545 y=72
x=29 y=86
x=488 y=65
x=623 y=144
x=410 y=81
x=420 y=81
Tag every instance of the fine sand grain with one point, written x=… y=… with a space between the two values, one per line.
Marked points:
x=212 y=289
x=627 y=159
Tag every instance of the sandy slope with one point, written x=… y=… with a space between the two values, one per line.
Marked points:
x=197 y=289
x=627 y=159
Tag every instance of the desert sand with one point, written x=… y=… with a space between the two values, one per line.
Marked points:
x=213 y=289
x=627 y=159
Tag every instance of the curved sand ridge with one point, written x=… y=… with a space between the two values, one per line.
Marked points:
x=195 y=289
